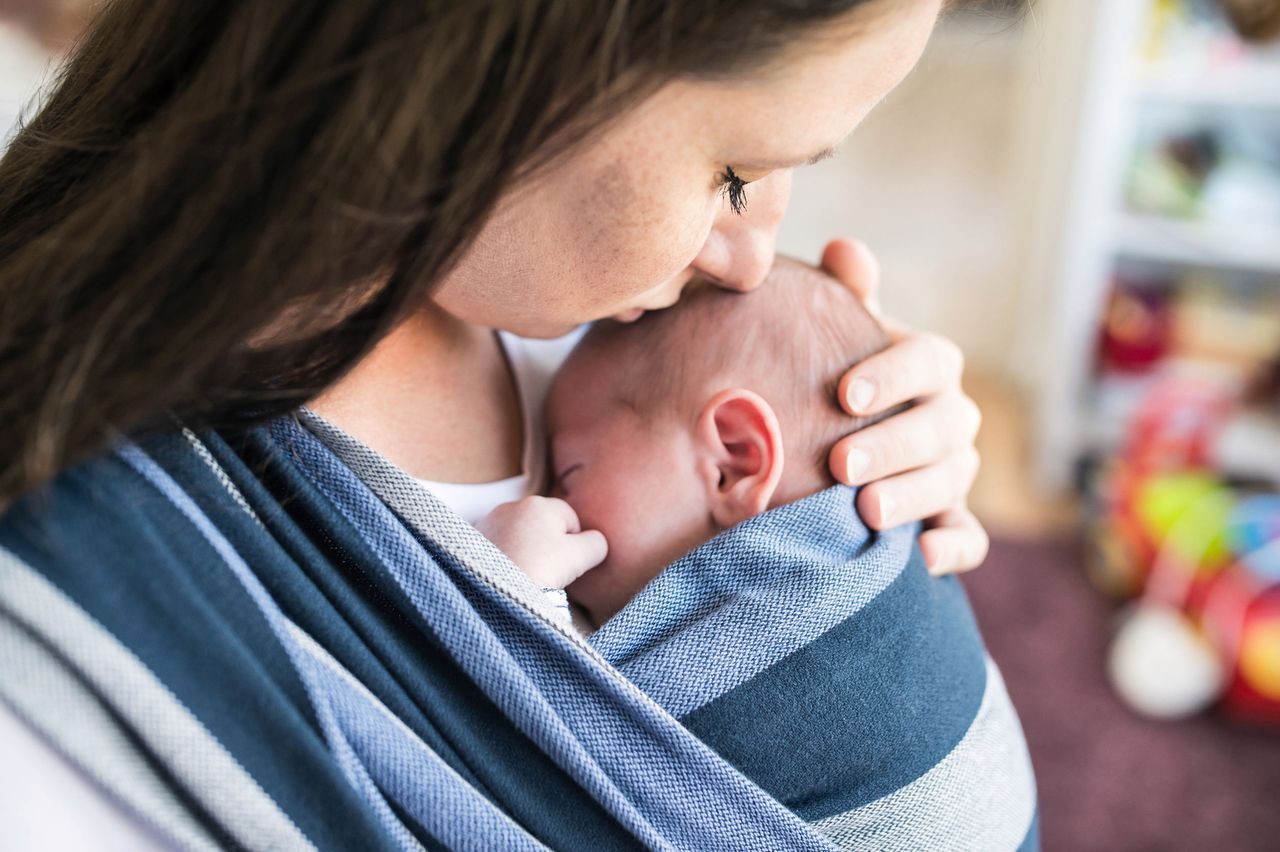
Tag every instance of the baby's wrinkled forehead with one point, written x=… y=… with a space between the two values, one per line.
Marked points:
x=581 y=387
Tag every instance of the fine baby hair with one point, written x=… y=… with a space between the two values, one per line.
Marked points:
x=789 y=340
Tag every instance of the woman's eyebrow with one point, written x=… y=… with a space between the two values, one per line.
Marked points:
x=770 y=165
x=824 y=154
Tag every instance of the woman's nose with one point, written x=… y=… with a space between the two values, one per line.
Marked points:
x=739 y=250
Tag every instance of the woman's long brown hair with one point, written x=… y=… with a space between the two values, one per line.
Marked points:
x=225 y=203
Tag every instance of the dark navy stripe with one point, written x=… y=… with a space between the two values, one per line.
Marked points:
x=871 y=705
x=126 y=555
x=135 y=564
x=399 y=659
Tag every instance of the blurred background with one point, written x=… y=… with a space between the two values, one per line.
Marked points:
x=1085 y=195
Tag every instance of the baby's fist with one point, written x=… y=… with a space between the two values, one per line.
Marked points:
x=543 y=537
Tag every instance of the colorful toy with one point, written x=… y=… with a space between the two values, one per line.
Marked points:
x=1162 y=666
x=1255 y=690
x=1137 y=327
x=1204 y=560
x=1255 y=531
x=1242 y=613
x=1199 y=635
x=1161 y=663
x=1161 y=470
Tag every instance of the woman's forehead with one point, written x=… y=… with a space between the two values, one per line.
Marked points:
x=801 y=108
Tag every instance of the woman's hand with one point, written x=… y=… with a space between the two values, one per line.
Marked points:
x=920 y=464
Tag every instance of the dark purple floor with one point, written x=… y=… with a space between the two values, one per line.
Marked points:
x=1108 y=779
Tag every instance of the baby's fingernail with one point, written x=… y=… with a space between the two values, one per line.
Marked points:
x=886 y=510
x=856 y=464
x=860 y=394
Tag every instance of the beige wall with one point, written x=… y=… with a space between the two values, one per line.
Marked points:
x=931 y=182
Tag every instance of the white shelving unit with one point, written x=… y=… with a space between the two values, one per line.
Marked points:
x=1090 y=87
x=1193 y=243
x=1246 y=87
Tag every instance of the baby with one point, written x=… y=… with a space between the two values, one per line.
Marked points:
x=701 y=536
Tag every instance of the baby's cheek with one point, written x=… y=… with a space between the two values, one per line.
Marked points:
x=596 y=501
x=613 y=515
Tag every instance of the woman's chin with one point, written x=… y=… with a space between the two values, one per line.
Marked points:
x=629 y=315
x=541 y=331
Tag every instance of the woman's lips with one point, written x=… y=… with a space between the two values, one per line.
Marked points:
x=633 y=314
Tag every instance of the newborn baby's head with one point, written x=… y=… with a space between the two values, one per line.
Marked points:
x=665 y=431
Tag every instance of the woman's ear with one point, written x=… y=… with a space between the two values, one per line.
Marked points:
x=740 y=444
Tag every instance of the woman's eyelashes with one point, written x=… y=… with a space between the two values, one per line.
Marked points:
x=735 y=189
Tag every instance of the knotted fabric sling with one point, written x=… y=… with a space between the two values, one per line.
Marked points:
x=280 y=641
x=246 y=647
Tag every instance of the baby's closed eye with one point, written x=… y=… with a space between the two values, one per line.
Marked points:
x=568 y=470
x=561 y=478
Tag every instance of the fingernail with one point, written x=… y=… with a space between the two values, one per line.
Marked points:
x=860 y=393
x=856 y=464
x=887 y=507
x=934 y=565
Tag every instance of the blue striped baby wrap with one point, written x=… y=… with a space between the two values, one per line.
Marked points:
x=278 y=640
x=824 y=662
x=271 y=640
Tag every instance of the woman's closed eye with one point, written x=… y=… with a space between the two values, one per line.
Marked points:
x=735 y=189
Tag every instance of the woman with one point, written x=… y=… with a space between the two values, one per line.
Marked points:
x=276 y=635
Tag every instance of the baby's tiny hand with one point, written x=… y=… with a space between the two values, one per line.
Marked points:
x=542 y=535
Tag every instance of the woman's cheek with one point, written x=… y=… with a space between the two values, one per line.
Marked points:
x=650 y=219
x=673 y=240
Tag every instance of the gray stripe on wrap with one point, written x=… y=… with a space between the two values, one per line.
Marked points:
x=54 y=703
x=759 y=633
x=430 y=518
x=151 y=713
x=980 y=797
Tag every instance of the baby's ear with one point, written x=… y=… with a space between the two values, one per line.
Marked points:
x=739 y=444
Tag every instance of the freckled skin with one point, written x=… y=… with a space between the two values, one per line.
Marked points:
x=622 y=224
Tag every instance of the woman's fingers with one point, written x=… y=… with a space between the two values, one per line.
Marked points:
x=919 y=494
x=920 y=436
x=852 y=264
x=957 y=542
x=918 y=365
x=927 y=452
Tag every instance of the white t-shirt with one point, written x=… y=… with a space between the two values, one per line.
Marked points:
x=534 y=363
x=47 y=803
